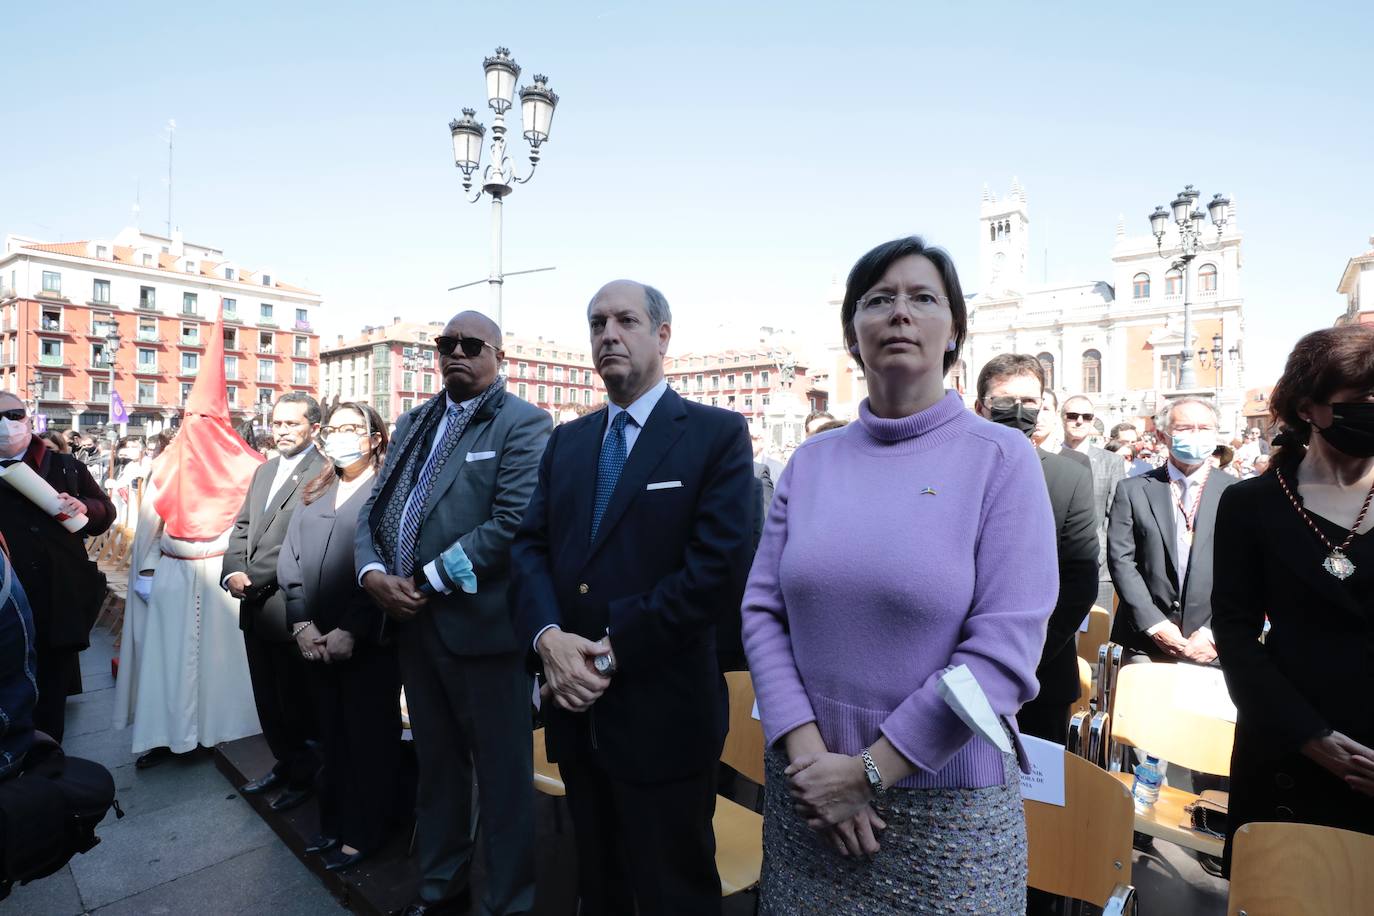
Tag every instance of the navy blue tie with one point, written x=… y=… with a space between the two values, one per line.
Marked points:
x=608 y=467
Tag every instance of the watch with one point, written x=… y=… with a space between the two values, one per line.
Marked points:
x=604 y=664
x=875 y=778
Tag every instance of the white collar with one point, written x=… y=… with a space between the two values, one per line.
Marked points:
x=641 y=407
x=462 y=405
x=1187 y=480
x=296 y=458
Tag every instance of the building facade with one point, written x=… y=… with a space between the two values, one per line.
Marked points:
x=1116 y=340
x=769 y=387
x=1357 y=285
x=60 y=301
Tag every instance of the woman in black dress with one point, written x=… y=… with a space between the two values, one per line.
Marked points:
x=1295 y=545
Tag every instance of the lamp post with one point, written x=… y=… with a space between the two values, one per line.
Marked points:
x=1190 y=221
x=537 y=103
x=111 y=350
x=35 y=387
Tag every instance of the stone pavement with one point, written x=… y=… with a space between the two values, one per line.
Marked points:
x=187 y=843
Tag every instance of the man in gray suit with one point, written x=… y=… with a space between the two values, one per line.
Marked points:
x=433 y=549
x=1108 y=470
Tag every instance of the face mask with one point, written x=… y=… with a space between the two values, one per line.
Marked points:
x=1194 y=447
x=1018 y=418
x=14 y=435
x=1352 y=429
x=343 y=448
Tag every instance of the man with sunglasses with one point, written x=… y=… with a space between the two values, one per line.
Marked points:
x=1107 y=470
x=63 y=586
x=433 y=549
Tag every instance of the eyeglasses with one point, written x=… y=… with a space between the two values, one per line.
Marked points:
x=1075 y=417
x=1008 y=402
x=471 y=346
x=351 y=428
x=16 y=414
x=883 y=302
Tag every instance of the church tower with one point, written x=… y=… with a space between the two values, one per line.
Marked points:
x=1004 y=243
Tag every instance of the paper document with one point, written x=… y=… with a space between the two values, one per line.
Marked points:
x=1045 y=781
x=39 y=492
x=959 y=688
x=755 y=712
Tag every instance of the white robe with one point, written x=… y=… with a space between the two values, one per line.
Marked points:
x=183 y=672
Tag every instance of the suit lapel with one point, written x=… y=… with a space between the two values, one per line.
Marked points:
x=1161 y=497
x=1206 y=520
x=585 y=451
x=322 y=529
x=257 y=511
x=458 y=457
x=659 y=434
x=307 y=469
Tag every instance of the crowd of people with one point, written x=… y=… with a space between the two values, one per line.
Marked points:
x=599 y=575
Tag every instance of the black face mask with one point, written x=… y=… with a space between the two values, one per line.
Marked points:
x=1352 y=429
x=1019 y=418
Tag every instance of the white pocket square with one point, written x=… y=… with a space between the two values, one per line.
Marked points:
x=480 y=456
x=664 y=485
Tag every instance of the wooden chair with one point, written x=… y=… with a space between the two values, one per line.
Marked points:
x=547 y=778
x=1300 y=870
x=739 y=831
x=1083 y=850
x=1146 y=716
x=1085 y=689
x=1096 y=635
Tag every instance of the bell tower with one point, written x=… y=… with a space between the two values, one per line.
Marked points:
x=1004 y=243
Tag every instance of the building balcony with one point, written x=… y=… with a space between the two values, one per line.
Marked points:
x=266 y=323
x=192 y=342
x=269 y=383
x=191 y=313
x=269 y=352
x=97 y=304
x=147 y=337
x=298 y=384
x=303 y=326
x=147 y=306
x=232 y=318
x=51 y=295
x=55 y=327
x=147 y=370
x=53 y=362
x=188 y=373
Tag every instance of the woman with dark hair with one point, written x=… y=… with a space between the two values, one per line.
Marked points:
x=917 y=539
x=355 y=681
x=1294 y=546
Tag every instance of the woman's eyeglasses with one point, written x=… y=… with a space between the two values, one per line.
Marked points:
x=883 y=302
x=471 y=346
x=350 y=428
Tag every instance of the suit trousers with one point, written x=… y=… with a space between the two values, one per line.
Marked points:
x=358 y=706
x=471 y=714
x=648 y=845
x=57 y=670
x=281 y=693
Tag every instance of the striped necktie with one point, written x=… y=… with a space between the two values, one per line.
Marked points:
x=608 y=467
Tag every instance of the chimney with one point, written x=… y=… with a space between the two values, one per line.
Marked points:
x=395 y=319
x=340 y=343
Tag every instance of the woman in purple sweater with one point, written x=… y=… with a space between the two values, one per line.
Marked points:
x=916 y=539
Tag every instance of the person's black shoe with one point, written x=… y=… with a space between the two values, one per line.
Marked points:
x=153 y=758
x=338 y=860
x=450 y=906
x=1143 y=842
x=264 y=784
x=1211 y=864
x=321 y=844
x=291 y=798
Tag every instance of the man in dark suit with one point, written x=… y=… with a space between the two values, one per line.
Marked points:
x=1080 y=424
x=1159 y=543
x=1011 y=391
x=64 y=587
x=635 y=542
x=281 y=686
x=433 y=549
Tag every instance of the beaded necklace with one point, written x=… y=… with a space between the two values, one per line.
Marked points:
x=1336 y=562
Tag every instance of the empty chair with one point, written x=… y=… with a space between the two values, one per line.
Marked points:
x=1300 y=870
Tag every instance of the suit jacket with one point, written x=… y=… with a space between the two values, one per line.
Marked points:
x=1142 y=554
x=666 y=562
x=1075 y=525
x=476 y=501
x=316 y=571
x=255 y=543
x=1107 y=471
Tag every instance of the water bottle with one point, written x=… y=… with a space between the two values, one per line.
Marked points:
x=1145 y=789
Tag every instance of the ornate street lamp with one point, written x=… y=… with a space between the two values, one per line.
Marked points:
x=1190 y=221
x=537 y=104
x=111 y=350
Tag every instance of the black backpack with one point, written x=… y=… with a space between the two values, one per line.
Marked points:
x=49 y=812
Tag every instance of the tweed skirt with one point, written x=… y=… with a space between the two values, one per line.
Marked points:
x=945 y=851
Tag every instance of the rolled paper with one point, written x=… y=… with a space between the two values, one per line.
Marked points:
x=39 y=492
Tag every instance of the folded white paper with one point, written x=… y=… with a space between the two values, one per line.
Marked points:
x=37 y=491
x=664 y=485
x=480 y=456
x=960 y=690
x=1045 y=781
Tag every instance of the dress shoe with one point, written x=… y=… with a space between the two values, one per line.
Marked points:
x=321 y=844
x=291 y=798
x=338 y=860
x=1142 y=842
x=153 y=758
x=1211 y=864
x=450 y=906
x=264 y=784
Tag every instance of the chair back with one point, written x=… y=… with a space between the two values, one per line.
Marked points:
x=1096 y=635
x=1085 y=689
x=744 y=742
x=1146 y=714
x=1300 y=870
x=1082 y=850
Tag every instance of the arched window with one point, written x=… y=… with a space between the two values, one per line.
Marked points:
x=958 y=375
x=1173 y=283
x=1092 y=372
x=1140 y=286
x=1047 y=363
x=1207 y=278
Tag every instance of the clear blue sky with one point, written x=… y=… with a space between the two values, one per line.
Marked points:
x=737 y=155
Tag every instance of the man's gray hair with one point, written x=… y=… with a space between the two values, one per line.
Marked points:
x=1164 y=420
x=657 y=306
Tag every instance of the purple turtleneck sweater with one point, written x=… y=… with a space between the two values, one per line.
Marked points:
x=894 y=550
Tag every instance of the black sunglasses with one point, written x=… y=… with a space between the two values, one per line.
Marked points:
x=16 y=414
x=1072 y=417
x=471 y=346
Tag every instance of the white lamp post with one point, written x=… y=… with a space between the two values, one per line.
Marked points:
x=111 y=350
x=1190 y=221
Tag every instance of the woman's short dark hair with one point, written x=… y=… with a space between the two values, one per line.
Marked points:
x=870 y=268
x=1321 y=364
x=325 y=479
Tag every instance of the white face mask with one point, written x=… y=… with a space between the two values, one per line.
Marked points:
x=343 y=448
x=14 y=436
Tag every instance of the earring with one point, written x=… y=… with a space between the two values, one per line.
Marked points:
x=949 y=347
x=854 y=350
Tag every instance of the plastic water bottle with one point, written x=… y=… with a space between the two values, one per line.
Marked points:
x=1145 y=789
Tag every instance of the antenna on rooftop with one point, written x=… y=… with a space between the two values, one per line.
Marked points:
x=138 y=201
x=171 y=133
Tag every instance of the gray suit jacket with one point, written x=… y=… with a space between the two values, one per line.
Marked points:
x=1108 y=470
x=477 y=501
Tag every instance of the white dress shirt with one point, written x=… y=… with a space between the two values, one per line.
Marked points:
x=1183 y=545
x=285 y=468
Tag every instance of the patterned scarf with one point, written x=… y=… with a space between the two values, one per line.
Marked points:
x=410 y=458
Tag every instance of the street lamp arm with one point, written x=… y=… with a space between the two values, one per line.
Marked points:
x=534 y=164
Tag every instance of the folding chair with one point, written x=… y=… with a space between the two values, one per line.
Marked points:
x=1300 y=870
x=739 y=831
x=1096 y=635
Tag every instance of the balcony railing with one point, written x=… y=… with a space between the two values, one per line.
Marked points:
x=189 y=313
x=267 y=322
x=147 y=337
x=233 y=318
x=147 y=306
x=190 y=341
x=49 y=360
x=303 y=326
